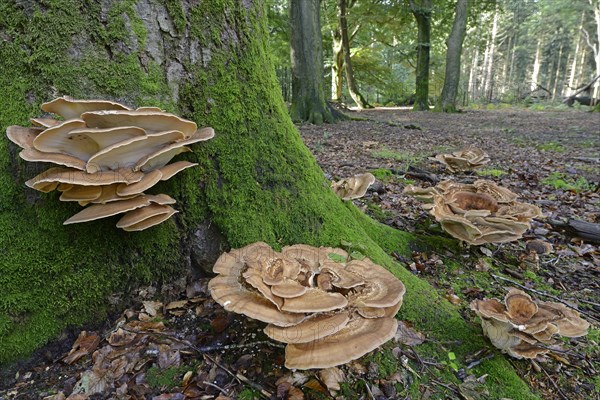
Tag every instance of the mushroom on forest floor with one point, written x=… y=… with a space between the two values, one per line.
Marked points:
x=523 y=327
x=467 y=159
x=477 y=213
x=108 y=153
x=353 y=187
x=311 y=300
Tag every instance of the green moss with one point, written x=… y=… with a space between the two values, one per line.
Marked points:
x=558 y=180
x=177 y=14
x=166 y=379
x=384 y=175
x=491 y=172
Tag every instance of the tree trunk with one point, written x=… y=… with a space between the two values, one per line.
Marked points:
x=421 y=9
x=489 y=71
x=350 y=81
x=337 y=65
x=308 y=94
x=572 y=73
x=557 y=72
x=208 y=62
x=536 y=66
x=455 y=41
x=473 y=76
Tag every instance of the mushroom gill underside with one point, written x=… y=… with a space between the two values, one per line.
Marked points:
x=327 y=312
x=107 y=157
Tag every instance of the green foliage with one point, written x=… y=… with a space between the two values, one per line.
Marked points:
x=496 y=173
x=402 y=156
x=249 y=394
x=383 y=174
x=166 y=379
x=558 y=180
x=551 y=146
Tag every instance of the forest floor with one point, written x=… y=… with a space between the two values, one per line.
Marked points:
x=176 y=343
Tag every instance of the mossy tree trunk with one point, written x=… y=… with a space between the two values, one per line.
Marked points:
x=256 y=181
x=421 y=10
x=308 y=93
x=358 y=98
x=337 y=65
x=447 y=102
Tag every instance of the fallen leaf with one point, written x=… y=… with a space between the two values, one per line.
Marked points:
x=407 y=335
x=84 y=345
x=152 y=308
x=332 y=377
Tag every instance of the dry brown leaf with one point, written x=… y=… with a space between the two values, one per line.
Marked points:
x=176 y=304
x=167 y=357
x=332 y=377
x=121 y=337
x=407 y=335
x=152 y=308
x=84 y=345
x=314 y=384
x=295 y=394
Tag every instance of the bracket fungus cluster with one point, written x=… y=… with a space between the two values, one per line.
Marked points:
x=467 y=159
x=477 y=213
x=108 y=156
x=523 y=327
x=328 y=310
x=354 y=187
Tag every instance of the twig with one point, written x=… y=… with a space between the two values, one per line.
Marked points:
x=496 y=277
x=562 y=395
x=369 y=391
x=216 y=387
x=446 y=386
x=240 y=378
x=204 y=349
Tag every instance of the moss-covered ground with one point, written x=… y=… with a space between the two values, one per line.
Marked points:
x=256 y=180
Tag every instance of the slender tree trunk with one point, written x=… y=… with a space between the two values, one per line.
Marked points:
x=473 y=76
x=350 y=81
x=573 y=71
x=421 y=10
x=453 y=55
x=337 y=65
x=557 y=72
x=489 y=72
x=536 y=66
x=506 y=66
x=308 y=94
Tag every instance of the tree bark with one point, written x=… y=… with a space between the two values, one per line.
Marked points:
x=350 y=80
x=308 y=94
x=421 y=10
x=536 y=66
x=337 y=65
x=453 y=55
x=209 y=62
x=489 y=71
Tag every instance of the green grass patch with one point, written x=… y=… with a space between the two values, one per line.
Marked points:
x=560 y=181
x=551 y=146
x=384 y=175
x=496 y=173
x=402 y=156
x=168 y=378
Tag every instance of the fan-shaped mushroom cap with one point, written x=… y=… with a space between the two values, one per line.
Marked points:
x=150 y=121
x=474 y=201
x=77 y=177
x=136 y=216
x=233 y=296
x=254 y=278
x=58 y=139
x=149 y=108
x=311 y=329
x=98 y=211
x=519 y=306
x=538 y=246
x=490 y=308
x=525 y=350
x=150 y=222
x=288 y=289
x=67 y=160
x=501 y=194
x=21 y=136
x=170 y=170
x=150 y=179
x=45 y=122
x=81 y=193
x=126 y=153
x=313 y=301
x=359 y=337
x=109 y=136
x=353 y=187
x=162 y=156
x=69 y=108
x=109 y=194
x=570 y=323
x=381 y=288
x=341 y=277
x=467 y=159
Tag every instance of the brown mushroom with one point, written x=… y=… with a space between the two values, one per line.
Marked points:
x=353 y=187
x=150 y=121
x=170 y=170
x=521 y=326
x=151 y=221
x=132 y=220
x=98 y=211
x=69 y=108
x=81 y=193
x=66 y=160
x=359 y=337
x=57 y=139
x=109 y=136
x=467 y=159
x=150 y=179
x=21 y=136
x=45 y=122
x=77 y=177
x=314 y=328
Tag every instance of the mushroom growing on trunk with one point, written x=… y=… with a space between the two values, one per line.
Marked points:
x=109 y=155
x=329 y=312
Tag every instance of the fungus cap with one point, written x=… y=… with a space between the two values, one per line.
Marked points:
x=69 y=108
x=150 y=121
x=353 y=187
x=314 y=328
x=356 y=339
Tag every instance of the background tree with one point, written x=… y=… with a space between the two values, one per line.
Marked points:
x=447 y=102
x=308 y=93
x=421 y=9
